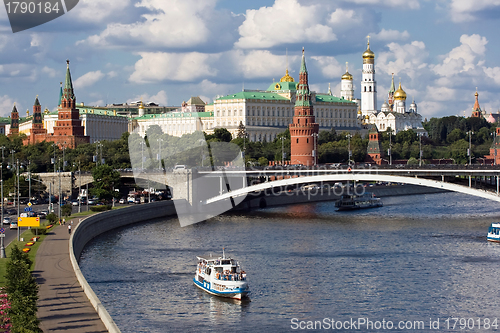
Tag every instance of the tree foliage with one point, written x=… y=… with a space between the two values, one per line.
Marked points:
x=22 y=292
x=105 y=179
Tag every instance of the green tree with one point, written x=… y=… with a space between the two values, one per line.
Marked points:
x=23 y=293
x=66 y=210
x=105 y=179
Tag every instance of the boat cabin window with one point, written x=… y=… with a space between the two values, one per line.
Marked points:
x=226 y=262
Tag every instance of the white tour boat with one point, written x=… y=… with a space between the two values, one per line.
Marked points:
x=350 y=202
x=221 y=276
x=494 y=233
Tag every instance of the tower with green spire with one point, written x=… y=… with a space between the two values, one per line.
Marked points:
x=303 y=129
x=14 y=122
x=68 y=131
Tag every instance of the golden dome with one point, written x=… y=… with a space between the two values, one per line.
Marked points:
x=347 y=76
x=400 y=93
x=368 y=54
x=287 y=78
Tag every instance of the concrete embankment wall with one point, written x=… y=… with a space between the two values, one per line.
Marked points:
x=270 y=199
x=97 y=224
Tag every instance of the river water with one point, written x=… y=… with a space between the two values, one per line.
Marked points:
x=417 y=260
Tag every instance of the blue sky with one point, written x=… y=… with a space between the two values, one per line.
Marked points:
x=169 y=50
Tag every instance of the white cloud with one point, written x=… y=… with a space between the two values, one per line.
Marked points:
x=169 y=23
x=408 y=59
x=463 y=57
x=112 y=74
x=257 y=63
x=286 y=21
x=51 y=72
x=160 y=98
x=440 y=94
x=400 y=4
x=329 y=66
x=160 y=66
x=6 y=105
x=391 y=35
x=467 y=10
x=88 y=79
x=95 y=11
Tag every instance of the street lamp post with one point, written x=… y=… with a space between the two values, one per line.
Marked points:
x=315 y=151
x=390 y=147
x=2 y=248
x=159 y=153
x=420 y=149
x=349 y=136
x=469 y=152
x=18 y=227
x=282 y=151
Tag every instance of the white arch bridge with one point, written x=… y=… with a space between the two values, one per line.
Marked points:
x=415 y=176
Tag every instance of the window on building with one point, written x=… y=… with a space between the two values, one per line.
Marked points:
x=297 y=140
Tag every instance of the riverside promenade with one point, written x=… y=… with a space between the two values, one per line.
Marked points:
x=62 y=304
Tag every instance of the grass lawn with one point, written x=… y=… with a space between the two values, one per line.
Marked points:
x=26 y=235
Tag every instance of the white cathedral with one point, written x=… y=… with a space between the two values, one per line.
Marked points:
x=393 y=114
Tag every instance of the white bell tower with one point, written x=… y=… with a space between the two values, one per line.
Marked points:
x=368 y=83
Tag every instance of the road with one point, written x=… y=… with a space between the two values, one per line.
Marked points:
x=11 y=235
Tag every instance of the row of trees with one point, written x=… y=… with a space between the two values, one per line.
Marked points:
x=448 y=138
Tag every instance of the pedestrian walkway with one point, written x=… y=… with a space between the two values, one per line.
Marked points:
x=62 y=304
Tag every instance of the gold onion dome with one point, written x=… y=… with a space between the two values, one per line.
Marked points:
x=400 y=93
x=368 y=54
x=287 y=78
x=347 y=76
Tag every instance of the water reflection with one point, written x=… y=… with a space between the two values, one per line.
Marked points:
x=306 y=262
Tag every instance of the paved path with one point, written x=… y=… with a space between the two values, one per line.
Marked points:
x=62 y=305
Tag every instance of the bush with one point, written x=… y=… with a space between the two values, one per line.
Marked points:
x=52 y=218
x=66 y=210
x=39 y=231
x=100 y=208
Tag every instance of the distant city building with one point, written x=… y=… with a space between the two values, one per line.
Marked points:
x=495 y=148
x=493 y=117
x=192 y=116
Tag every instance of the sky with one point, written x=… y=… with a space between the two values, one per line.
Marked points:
x=166 y=51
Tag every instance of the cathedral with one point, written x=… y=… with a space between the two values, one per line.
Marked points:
x=393 y=114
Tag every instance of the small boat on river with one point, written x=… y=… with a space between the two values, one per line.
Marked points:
x=351 y=202
x=221 y=276
x=494 y=232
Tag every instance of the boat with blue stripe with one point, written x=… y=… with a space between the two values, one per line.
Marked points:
x=221 y=276
x=494 y=233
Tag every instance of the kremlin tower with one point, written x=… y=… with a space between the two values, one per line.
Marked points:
x=476 y=110
x=368 y=84
x=14 y=122
x=303 y=129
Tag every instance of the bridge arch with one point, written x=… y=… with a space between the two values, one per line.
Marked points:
x=356 y=178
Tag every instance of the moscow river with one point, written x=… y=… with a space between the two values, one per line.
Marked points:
x=418 y=260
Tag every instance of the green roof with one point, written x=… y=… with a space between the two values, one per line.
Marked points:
x=254 y=95
x=283 y=86
x=331 y=99
x=177 y=115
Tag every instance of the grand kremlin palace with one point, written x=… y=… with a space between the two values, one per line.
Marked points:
x=264 y=114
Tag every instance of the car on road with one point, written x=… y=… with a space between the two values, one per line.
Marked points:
x=92 y=201
x=42 y=215
x=74 y=202
x=122 y=201
x=13 y=224
x=6 y=220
